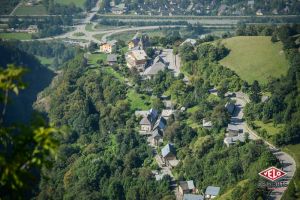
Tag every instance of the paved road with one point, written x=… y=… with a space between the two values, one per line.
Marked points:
x=289 y=164
x=14 y=10
x=89 y=35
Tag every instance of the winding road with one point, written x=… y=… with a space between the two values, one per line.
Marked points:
x=287 y=161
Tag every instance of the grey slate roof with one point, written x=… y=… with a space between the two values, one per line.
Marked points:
x=187 y=185
x=232 y=127
x=212 y=190
x=169 y=148
x=112 y=58
x=234 y=139
x=155 y=68
x=192 y=197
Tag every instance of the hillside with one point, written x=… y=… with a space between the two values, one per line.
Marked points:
x=255 y=58
x=37 y=78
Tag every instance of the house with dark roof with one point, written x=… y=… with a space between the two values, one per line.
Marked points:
x=158 y=64
x=140 y=41
x=230 y=107
x=186 y=187
x=112 y=59
x=156 y=137
x=211 y=192
x=160 y=124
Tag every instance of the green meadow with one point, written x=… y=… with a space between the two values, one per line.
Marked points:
x=255 y=58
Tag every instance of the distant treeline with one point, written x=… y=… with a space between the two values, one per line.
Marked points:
x=114 y=22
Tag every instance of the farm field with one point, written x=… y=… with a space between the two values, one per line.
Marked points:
x=31 y=10
x=255 y=58
x=79 y=3
x=19 y=36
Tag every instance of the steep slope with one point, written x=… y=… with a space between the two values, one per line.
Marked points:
x=38 y=77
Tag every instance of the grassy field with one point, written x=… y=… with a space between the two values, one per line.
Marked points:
x=227 y=195
x=89 y=27
x=78 y=3
x=269 y=127
x=93 y=58
x=19 y=36
x=31 y=10
x=255 y=58
x=138 y=101
x=45 y=61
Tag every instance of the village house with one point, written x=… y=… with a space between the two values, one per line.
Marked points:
x=137 y=59
x=140 y=41
x=158 y=65
x=160 y=124
x=211 y=192
x=231 y=140
x=186 y=187
x=206 y=123
x=230 y=107
x=193 y=197
x=168 y=153
x=147 y=122
x=109 y=47
x=166 y=113
x=119 y=9
x=259 y=12
x=233 y=130
x=33 y=29
x=112 y=59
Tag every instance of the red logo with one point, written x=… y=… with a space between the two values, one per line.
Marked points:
x=272 y=173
